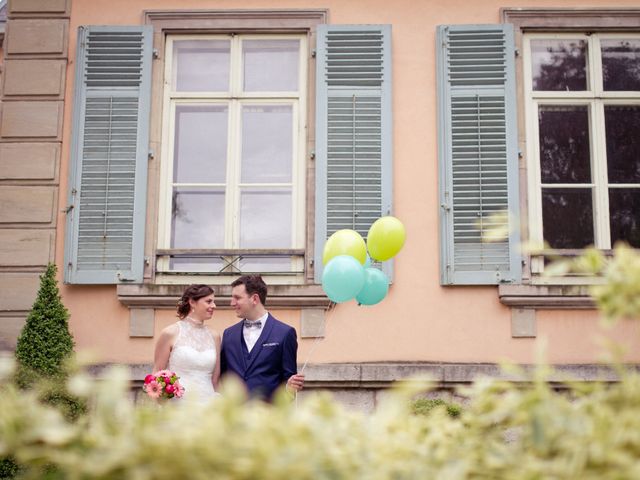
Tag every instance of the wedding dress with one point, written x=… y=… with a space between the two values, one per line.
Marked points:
x=193 y=358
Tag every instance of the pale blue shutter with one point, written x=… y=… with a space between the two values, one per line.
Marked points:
x=353 y=131
x=478 y=154
x=108 y=174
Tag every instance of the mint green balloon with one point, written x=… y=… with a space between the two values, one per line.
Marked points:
x=376 y=286
x=342 y=278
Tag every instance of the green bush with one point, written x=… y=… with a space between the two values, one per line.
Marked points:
x=424 y=406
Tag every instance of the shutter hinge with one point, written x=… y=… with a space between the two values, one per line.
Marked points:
x=444 y=206
x=313 y=53
x=151 y=155
x=156 y=53
x=516 y=52
x=312 y=155
x=520 y=154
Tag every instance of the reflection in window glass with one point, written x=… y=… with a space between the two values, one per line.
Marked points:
x=200 y=151
x=195 y=264
x=270 y=65
x=567 y=217
x=564 y=144
x=624 y=215
x=267 y=143
x=197 y=218
x=201 y=65
x=620 y=64
x=559 y=65
x=622 y=128
x=265 y=219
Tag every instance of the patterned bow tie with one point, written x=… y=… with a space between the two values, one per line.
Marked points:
x=249 y=324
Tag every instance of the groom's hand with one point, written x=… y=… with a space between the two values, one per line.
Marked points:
x=295 y=382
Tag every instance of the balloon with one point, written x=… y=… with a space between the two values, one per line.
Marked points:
x=386 y=238
x=367 y=262
x=345 y=242
x=342 y=278
x=376 y=286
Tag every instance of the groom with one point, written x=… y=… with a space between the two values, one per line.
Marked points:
x=259 y=349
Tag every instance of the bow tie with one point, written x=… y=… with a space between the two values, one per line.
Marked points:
x=257 y=324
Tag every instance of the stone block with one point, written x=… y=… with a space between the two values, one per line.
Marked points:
x=34 y=77
x=38 y=6
x=523 y=322
x=312 y=323
x=10 y=329
x=37 y=36
x=26 y=204
x=24 y=119
x=29 y=161
x=18 y=291
x=26 y=248
x=141 y=322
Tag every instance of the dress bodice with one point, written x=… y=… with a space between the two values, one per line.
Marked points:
x=193 y=358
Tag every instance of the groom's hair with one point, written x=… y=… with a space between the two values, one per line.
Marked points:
x=253 y=284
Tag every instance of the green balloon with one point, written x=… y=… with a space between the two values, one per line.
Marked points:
x=345 y=242
x=385 y=238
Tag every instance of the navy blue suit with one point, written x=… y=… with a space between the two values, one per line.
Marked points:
x=270 y=363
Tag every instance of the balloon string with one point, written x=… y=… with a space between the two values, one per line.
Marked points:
x=316 y=342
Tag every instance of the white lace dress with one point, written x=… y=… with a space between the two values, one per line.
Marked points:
x=193 y=358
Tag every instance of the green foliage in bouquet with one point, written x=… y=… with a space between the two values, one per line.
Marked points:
x=45 y=346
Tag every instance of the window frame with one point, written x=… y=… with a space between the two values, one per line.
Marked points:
x=165 y=22
x=538 y=291
x=235 y=99
x=595 y=98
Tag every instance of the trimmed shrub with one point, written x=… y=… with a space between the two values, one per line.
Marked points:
x=424 y=406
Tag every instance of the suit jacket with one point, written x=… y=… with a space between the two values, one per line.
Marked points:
x=270 y=363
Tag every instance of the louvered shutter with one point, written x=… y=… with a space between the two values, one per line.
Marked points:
x=353 y=131
x=110 y=144
x=478 y=154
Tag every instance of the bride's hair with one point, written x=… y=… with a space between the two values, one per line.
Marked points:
x=192 y=292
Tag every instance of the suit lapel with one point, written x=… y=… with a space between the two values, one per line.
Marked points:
x=257 y=348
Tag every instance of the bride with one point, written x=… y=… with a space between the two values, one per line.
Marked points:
x=188 y=348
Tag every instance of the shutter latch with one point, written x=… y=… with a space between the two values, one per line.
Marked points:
x=122 y=278
x=67 y=210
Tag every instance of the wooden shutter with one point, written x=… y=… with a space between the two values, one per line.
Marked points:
x=353 y=136
x=478 y=154
x=110 y=144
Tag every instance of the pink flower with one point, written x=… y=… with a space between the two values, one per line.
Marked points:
x=148 y=379
x=163 y=373
x=170 y=389
x=153 y=389
x=178 y=390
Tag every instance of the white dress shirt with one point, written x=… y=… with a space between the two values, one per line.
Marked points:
x=252 y=334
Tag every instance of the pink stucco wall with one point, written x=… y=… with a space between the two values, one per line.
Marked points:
x=419 y=320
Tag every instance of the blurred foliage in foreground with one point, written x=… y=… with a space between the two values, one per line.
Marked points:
x=507 y=430
x=522 y=429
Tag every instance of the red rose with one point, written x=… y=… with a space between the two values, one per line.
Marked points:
x=148 y=379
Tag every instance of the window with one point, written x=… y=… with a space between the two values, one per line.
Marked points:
x=583 y=134
x=233 y=171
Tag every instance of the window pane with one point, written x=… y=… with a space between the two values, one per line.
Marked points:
x=265 y=219
x=270 y=65
x=621 y=64
x=622 y=127
x=197 y=218
x=567 y=217
x=201 y=65
x=200 y=151
x=267 y=143
x=564 y=144
x=624 y=214
x=559 y=65
x=196 y=264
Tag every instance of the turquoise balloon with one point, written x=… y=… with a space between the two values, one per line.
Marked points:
x=342 y=278
x=376 y=286
x=367 y=262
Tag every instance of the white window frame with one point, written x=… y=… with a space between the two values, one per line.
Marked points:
x=235 y=99
x=595 y=98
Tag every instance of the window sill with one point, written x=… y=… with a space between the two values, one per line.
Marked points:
x=546 y=296
x=166 y=296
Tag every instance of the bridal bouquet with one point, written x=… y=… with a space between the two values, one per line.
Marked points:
x=163 y=384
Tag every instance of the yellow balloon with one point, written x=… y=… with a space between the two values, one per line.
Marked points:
x=385 y=238
x=345 y=242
